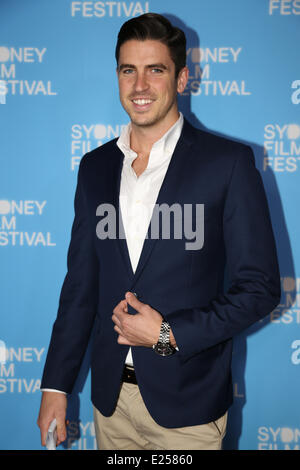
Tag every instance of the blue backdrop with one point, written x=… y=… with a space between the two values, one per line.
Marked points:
x=59 y=99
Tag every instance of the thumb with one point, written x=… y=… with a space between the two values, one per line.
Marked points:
x=133 y=301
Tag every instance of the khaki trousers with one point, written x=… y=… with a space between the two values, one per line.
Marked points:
x=132 y=428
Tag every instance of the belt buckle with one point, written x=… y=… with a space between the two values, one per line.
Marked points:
x=129 y=375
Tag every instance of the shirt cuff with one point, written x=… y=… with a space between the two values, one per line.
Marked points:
x=52 y=390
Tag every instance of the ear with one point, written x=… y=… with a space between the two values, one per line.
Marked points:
x=182 y=79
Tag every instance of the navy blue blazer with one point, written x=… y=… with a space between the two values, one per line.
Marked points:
x=193 y=386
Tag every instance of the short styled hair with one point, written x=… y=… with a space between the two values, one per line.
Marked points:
x=155 y=27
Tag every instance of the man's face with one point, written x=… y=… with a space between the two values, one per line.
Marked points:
x=147 y=85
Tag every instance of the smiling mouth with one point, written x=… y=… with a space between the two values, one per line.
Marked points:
x=142 y=101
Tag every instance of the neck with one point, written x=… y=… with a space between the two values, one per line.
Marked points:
x=142 y=138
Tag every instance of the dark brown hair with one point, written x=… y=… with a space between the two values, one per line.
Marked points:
x=155 y=27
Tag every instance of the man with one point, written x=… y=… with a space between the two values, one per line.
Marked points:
x=161 y=354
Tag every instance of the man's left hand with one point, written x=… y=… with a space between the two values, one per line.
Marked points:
x=141 y=329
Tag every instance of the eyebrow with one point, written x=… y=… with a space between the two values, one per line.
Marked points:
x=158 y=66
x=150 y=66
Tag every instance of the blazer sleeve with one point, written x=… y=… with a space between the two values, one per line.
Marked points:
x=78 y=301
x=252 y=267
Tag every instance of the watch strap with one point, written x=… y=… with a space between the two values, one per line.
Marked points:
x=164 y=335
x=163 y=346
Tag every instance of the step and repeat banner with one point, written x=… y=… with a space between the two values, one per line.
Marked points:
x=58 y=100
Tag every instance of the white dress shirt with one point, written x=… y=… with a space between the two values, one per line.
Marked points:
x=138 y=194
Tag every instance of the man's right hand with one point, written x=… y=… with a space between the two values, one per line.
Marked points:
x=53 y=405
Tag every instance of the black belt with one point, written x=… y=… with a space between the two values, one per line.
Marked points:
x=129 y=375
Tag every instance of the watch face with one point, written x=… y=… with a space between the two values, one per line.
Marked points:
x=164 y=349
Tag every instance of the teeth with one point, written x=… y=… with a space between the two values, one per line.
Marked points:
x=141 y=102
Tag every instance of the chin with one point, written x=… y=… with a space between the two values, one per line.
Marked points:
x=144 y=121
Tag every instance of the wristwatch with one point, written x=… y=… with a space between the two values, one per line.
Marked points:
x=163 y=346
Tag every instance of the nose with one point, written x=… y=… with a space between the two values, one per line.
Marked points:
x=141 y=83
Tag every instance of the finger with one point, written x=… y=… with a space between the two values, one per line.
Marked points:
x=123 y=340
x=118 y=330
x=44 y=429
x=116 y=320
x=121 y=307
x=119 y=312
x=119 y=318
x=44 y=424
x=133 y=301
x=61 y=430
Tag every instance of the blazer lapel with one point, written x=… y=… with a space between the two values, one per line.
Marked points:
x=120 y=233
x=168 y=190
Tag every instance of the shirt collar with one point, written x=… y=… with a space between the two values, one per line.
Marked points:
x=162 y=149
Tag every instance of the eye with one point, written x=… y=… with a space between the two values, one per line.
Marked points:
x=127 y=71
x=156 y=70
